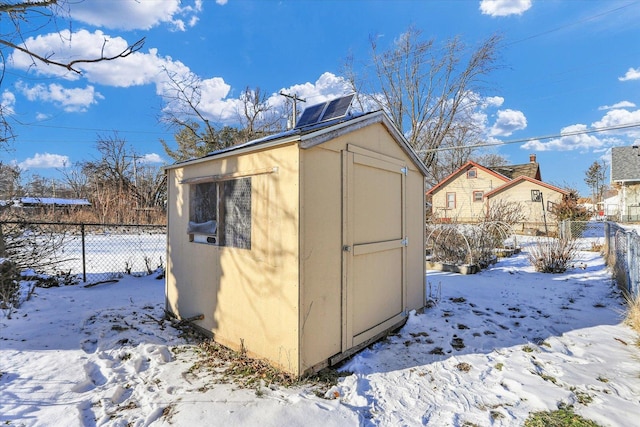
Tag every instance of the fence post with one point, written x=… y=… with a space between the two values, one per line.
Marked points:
x=632 y=255
x=84 y=260
x=607 y=243
x=630 y=262
x=2 y=247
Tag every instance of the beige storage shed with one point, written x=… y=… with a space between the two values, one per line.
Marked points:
x=299 y=248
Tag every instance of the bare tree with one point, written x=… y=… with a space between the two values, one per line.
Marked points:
x=197 y=133
x=490 y=160
x=183 y=96
x=119 y=185
x=76 y=181
x=192 y=144
x=258 y=118
x=430 y=91
x=595 y=178
x=30 y=17
x=9 y=181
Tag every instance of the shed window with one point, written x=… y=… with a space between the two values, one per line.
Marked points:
x=472 y=173
x=220 y=213
x=451 y=200
x=477 y=196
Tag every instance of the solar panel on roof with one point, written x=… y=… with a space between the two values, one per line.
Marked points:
x=311 y=115
x=325 y=111
x=337 y=108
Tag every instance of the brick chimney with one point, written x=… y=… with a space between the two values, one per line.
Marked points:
x=532 y=158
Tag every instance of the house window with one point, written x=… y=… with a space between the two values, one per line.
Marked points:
x=478 y=196
x=451 y=200
x=220 y=213
x=472 y=173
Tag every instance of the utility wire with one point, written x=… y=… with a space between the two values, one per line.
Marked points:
x=535 y=138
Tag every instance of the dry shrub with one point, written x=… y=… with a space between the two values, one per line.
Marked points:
x=9 y=286
x=505 y=211
x=32 y=245
x=633 y=312
x=553 y=255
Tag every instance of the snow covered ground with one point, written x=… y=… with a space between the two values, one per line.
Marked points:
x=493 y=347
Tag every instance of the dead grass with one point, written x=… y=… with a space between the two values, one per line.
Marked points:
x=633 y=312
x=235 y=367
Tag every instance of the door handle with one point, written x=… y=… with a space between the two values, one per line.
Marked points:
x=346 y=248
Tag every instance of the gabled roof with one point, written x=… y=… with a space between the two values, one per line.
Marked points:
x=531 y=169
x=315 y=134
x=625 y=164
x=522 y=178
x=463 y=169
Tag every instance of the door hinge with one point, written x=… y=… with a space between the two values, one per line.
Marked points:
x=404 y=171
x=405 y=242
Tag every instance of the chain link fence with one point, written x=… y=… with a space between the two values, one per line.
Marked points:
x=591 y=234
x=622 y=253
x=89 y=252
x=620 y=246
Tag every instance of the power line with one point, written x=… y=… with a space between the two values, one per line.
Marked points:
x=589 y=18
x=535 y=138
x=95 y=129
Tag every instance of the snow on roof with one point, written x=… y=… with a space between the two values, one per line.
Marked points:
x=53 y=201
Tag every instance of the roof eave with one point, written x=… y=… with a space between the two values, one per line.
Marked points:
x=326 y=134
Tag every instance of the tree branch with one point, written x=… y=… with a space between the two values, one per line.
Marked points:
x=70 y=65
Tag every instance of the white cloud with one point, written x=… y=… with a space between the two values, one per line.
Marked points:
x=215 y=105
x=221 y=2
x=575 y=137
x=493 y=101
x=44 y=161
x=71 y=100
x=631 y=74
x=327 y=86
x=618 y=117
x=621 y=104
x=151 y=158
x=572 y=138
x=504 y=7
x=142 y=68
x=508 y=121
x=7 y=103
x=136 y=15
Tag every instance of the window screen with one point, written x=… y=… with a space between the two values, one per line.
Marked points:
x=236 y=205
x=220 y=213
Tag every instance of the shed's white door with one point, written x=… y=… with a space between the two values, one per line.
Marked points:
x=374 y=244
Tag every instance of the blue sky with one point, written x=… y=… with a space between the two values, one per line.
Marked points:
x=566 y=66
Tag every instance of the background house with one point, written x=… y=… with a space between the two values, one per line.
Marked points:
x=536 y=200
x=467 y=194
x=303 y=247
x=625 y=176
x=460 y=196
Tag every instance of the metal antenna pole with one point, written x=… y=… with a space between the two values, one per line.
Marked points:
x=295 y=98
